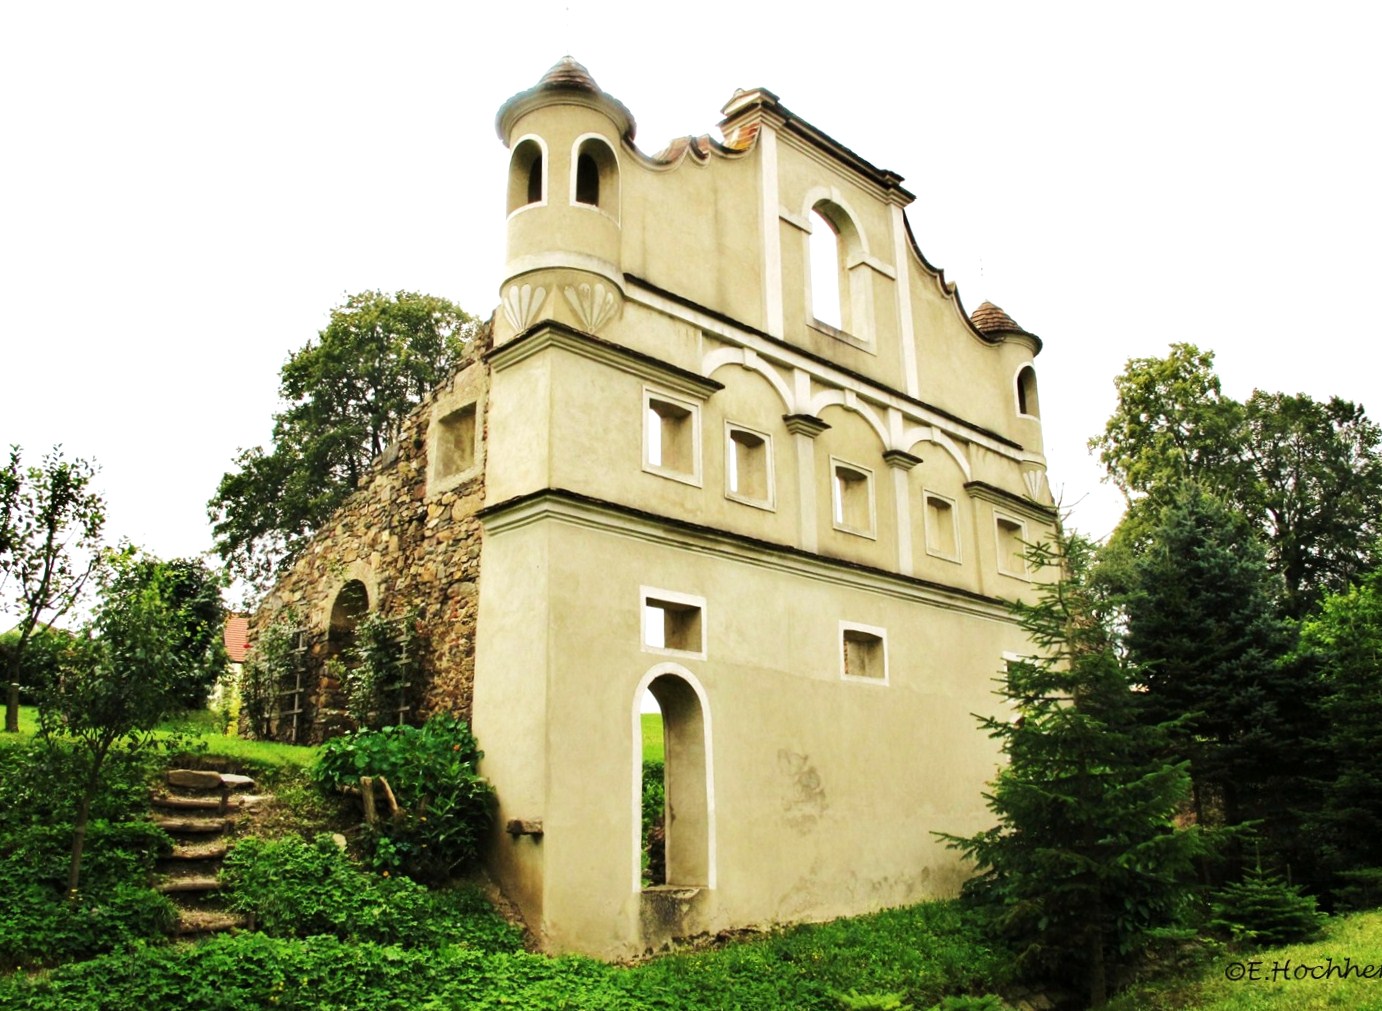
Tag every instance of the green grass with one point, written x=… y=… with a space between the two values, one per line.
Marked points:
x=1268 y=982
x=28 y=726
x=201 y=728
x=652 y=737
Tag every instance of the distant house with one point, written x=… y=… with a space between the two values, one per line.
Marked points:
x=733 y=442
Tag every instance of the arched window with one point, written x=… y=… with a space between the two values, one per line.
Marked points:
x=595 y=175
x=839 y=276
x=1027 y=402
x=826 y=275
x=527 y=180
x=684 y=856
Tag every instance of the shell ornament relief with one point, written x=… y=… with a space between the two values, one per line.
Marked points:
x=1036 y=484
x=593 y=304
x=522 y=305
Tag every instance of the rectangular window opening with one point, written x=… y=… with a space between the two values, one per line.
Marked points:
x=673 y=625
x=853 y=500
x=863 y=653
x=1012 y=547
x=748 y=467
x=671 y=443
x=941 y=536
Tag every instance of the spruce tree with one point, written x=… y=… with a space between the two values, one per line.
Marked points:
x=1202 y=627
x=1086 y=864
x=1343 y=643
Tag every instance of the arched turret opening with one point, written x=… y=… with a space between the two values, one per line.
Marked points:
x=527 y=174
x=595 y=175
x=1027 y=402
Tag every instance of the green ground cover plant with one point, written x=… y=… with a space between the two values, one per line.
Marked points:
x=915 y=956
x=295 y=888
x=39 y=925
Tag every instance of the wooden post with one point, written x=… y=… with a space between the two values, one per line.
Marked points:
x=367 y=799
x=12 y=709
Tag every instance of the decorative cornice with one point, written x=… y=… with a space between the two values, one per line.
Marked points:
x=804 y=424
x=999 y=496
x=553 y=334
x=563 y=505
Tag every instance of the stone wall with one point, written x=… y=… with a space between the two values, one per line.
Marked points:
x=410 y=536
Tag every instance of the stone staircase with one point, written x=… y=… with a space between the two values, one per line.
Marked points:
x=199 y=808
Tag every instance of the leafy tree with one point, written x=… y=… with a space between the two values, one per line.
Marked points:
x=1344 y=642
x=192 y=592
x=1086 y=865
x=1202 y=627
x=344 y=396
x=50 y=529
x=1172 y=423
x=119 y=679
x=1317 y=488
x=1307 y=475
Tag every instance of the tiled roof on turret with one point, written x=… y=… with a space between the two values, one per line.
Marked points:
x=570 y=77
x=992 y=322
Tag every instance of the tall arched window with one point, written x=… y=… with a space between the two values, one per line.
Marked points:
x=826 y=272
x=840 y=275
x=527 y=179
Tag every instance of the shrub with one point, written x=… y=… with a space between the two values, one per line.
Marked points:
x=299 y=889
x=1264 y=909
x=445 y=806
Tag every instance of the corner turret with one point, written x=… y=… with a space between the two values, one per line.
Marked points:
x=566 y=136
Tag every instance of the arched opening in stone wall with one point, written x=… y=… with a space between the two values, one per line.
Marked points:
x=686 y=856
x=352 y=604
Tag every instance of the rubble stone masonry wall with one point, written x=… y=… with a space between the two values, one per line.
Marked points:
x=410 y=536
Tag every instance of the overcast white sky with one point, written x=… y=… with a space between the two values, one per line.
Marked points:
x=188 y=188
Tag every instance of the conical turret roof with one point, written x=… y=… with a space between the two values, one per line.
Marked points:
x=566 y=82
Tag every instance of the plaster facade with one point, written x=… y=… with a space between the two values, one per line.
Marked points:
x=798 y=534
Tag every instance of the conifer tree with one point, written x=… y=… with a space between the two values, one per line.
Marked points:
x=1203 y=629
x=1086 y=864
x=1344 y=641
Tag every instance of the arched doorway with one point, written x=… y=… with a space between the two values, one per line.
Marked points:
x=687 y=857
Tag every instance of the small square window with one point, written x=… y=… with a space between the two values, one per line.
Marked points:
x=673 y=622
x=748 y=467
x=1012 y=546
x=455 y=445
x=942 y=535
x=671 y=438
x=852 y=494
x=863 y=653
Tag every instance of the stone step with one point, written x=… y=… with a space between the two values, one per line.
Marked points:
x=173 y=801
x=236 y=802
x=192 y=826
x=204 y=921
x=206 y=779
x=188 y=883
x=214 y=849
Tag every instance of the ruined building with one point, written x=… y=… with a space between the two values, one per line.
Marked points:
x=732 y=441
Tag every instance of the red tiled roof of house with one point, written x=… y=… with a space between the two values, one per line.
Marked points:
x=236 y=636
